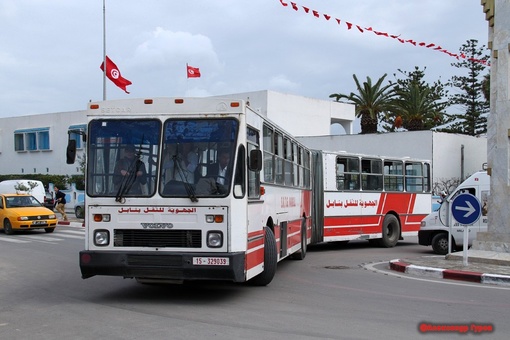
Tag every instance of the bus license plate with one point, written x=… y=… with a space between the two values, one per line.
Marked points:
x=211 y=261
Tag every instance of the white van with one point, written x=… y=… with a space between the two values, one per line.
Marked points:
x=433 y=232
x=24 y=186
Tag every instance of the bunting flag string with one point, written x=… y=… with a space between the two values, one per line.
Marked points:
x=350 y=25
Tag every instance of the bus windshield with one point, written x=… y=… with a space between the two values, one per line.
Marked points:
x=197 y=157
x=126 y=158
x=123 y=157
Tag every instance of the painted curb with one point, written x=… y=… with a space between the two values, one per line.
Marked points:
x=449 y=274
x=71 y=224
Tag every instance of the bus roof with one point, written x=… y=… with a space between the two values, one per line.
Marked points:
x=152 y=106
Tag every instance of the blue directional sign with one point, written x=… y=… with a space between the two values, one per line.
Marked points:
x=466 y=209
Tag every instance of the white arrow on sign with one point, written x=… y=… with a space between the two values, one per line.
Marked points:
x=470 y=209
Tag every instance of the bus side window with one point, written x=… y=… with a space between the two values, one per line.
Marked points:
x=352 y=182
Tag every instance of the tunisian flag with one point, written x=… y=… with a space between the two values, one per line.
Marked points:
x=193 y=72
x=113 y=73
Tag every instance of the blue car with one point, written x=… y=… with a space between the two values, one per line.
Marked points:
x=79 y=210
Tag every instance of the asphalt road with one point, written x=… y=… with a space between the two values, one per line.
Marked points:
x=340 y=291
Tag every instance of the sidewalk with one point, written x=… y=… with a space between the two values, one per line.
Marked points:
x=484 y=267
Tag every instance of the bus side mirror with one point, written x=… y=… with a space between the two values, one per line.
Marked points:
x=71 y=151
x=255 y=160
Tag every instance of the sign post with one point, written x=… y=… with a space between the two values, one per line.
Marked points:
x=466 y=209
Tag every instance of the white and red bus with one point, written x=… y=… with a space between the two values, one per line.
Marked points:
x=362 y=197
x=161 y=205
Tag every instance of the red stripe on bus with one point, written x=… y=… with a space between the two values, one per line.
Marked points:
x=254 y=258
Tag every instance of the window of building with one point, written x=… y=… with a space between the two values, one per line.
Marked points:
x=35 y=139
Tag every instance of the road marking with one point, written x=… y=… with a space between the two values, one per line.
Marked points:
x=74 y=232
x=77 y=237
x=12 y=240
x=59 y=235
x=42 y=238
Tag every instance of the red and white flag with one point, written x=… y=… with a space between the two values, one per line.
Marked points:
x=193 y=72
x=113 y=73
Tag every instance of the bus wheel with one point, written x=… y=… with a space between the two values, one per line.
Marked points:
x=8 y=227
x=390 y=231
x=440 y=244
x=270 y=260
x=301 y=254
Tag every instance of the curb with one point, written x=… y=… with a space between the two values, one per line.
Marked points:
x=450 y=274
x=71 y=224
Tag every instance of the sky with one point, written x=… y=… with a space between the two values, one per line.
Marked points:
x=51 y=50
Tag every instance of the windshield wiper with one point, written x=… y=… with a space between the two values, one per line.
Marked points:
x=129 y=180
x=187 y=185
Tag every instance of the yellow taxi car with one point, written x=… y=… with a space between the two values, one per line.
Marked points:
x=24 y=212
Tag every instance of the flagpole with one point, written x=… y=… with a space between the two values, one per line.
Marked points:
x=104 y=50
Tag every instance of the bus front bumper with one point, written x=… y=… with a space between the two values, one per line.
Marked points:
x=165 y=266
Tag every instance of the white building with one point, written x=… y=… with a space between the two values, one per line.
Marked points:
x=37 y=144
x=301 y=116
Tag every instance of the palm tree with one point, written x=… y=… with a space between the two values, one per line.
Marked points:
x=371 y=101
x=416 y=109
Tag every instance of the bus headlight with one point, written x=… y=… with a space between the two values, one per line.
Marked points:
x=101 y=237
x=214 y=239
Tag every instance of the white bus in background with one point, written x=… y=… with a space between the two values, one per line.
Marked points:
x=169 y=216
x=363 y=197
x=433 y=232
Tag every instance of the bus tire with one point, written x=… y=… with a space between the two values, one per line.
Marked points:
x=270 y=260
x=301 y=254
x=440 y=244
x=390 y=231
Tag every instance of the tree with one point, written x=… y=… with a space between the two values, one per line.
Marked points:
x=417 y=104
x=446 y=185
x=371 y=101
x=472 y=91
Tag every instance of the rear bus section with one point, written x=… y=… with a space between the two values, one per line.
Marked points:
x=371 y=198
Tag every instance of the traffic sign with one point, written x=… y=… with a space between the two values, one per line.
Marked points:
x=466 y=209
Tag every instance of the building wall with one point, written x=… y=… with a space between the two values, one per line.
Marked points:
x=443 y=149
x=51 y=161
x=300 y=116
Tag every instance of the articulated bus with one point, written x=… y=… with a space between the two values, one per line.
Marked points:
x=208 y=189
x=362 y=197
x=191 y=189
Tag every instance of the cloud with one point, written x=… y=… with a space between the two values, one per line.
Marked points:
x=163 y=47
